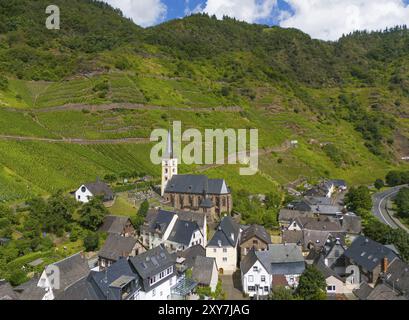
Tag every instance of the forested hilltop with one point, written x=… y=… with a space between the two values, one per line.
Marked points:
x=345 y=102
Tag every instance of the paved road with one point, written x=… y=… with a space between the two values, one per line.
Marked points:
x=380 y=201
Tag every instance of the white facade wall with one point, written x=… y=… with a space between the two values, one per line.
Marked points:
x=161 y=292
x=226 y=258
x=83 y=194
x=253 y=283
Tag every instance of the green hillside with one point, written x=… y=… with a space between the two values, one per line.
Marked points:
x=103 y=78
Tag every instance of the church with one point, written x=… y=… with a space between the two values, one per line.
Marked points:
x=190 y=192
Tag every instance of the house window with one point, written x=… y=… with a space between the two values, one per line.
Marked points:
x=214 y=250
x=153 y=292
x=263 y=278
x=266 y=289
x=79 y=197
x=251 y=288
x=255 y=269
x=331 y=289
x=255 y=241
x=251 y=279
x=224 y=259
x=224 y=250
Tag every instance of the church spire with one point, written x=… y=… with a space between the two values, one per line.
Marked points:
x=169 y=147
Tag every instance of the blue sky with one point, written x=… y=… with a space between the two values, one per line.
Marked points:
x=322 y=19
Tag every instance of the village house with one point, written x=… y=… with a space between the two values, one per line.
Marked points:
x=224 y=245
x=371 y=257
x=147 y=276
x=286 y=216
x=119 y=225
x=156 y=270
x=205 y=272
x=177 y=231
x=256 y=237
x=381 y=292
x=94 y=189
x=55 y=279
x=116 y=247
x=281 y=264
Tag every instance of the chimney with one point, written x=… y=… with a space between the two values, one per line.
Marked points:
x=385 y=264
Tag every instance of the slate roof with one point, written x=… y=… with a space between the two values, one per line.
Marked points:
x=100 y=188
x=183 y=231
x=71 y=270
x=30 y=291
x=398 y=276
x=384 y=292
x=327 y=209
x=7 y=292
x=152 y=262
x=281 y=259
x=114 y=224
x=324 y=224
x=326 y=271
x=202 y=270
x=367 y=253
x=83 y=289
x=318 y=200
x=351 y=224
x=105 y=281
x=338 y=183
x=197 y=217
x=363 y=291
x=255 y=231
x=157 y=221
x=317 y=238
x=191 y=253
x=300 y=205
x=117 y=246
x=288 y=215
x=196 y=184
x=223 y=235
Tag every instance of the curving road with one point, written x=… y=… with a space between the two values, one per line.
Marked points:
x=380 y=210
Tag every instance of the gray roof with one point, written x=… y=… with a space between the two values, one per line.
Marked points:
x=255 y=231
x=300 y=205
x=197 y=217
x=196 y=184
x=117 y=246
x=223 y=236
x=157 y=221
x=338 y=183
x=322 y=223
x=327 y=209
x=71 y=270
x=279 y=259
x=363 y=291
x=398 y=276
x=152 y=262
x=183 y=231
x=351 y=224
x=202 y=270
x=100 y=188
x=318 y=200
x=114 y=224
x=288 y=215
x=191 y=253
x=83 y=289
x=317 y=238
x=326 y=271
x=7 y=292
x=367 y=253
x=384 y=292
x=30 y=291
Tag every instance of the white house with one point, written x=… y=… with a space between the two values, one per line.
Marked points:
x=224 y=245
x=177 y=231
x=282 y=263
x=94 y=189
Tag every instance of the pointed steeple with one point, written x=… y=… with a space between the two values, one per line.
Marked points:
x=169 y=147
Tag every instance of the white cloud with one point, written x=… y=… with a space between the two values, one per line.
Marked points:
x=329 y=19
x=143 y=12
x=245 y=10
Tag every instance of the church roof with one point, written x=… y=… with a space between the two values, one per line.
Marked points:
x=196 y=184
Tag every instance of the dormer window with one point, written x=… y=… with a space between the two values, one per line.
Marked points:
x=83 y=189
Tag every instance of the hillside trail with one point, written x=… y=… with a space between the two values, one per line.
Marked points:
x=284 y=147
x=127 y=106
x=77 y=141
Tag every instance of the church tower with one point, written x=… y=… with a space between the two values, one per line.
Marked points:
x=169 y=165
